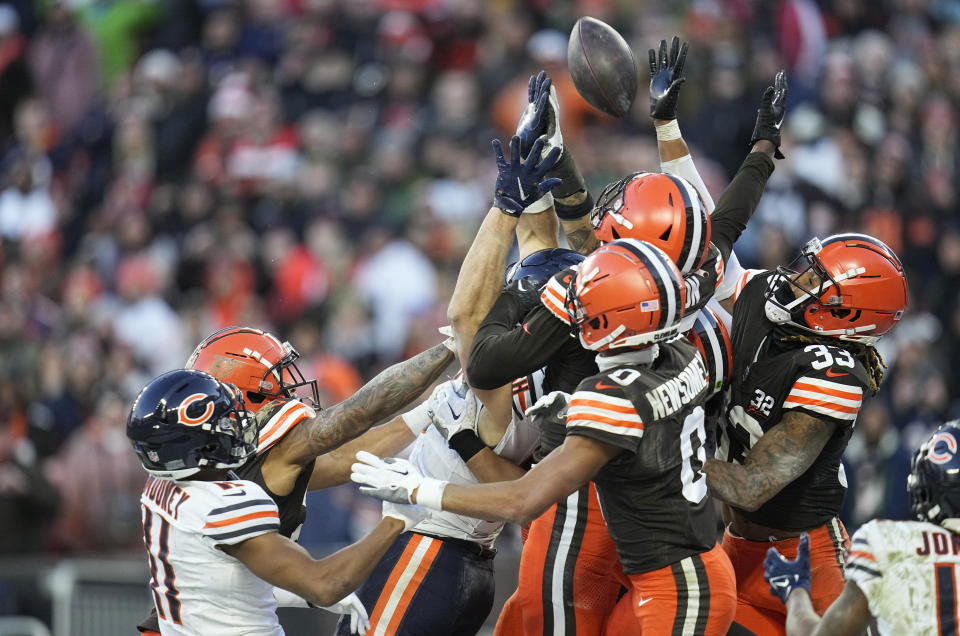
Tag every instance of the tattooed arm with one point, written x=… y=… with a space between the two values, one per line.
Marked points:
x=579 y=231
x=393 y=389
x=781 y=455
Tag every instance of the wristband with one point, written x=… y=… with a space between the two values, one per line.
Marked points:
x=466 y=444
x=543 y=203
x=430 y=493
x=668 y=131
x=574 y=212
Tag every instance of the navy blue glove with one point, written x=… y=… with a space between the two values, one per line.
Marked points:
x=533 y=123
x=666 y=78
x=785 y=575
x=770 y=114
x=521 y=183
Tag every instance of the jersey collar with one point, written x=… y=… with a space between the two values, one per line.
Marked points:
x=641 y=356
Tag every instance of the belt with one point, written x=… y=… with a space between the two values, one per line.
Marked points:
x=471 y=547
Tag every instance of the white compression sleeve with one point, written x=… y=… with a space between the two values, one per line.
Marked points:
x=731 y=276
x=685 y=168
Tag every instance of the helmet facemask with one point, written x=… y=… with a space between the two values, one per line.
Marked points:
x=273 y=385
x=805 y=287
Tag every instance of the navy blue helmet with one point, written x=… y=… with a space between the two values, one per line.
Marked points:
x=186 y=420
x=539 y=267
x=934 y=481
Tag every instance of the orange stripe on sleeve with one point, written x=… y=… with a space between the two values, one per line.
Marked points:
x=827 y=404
x=247 y=517
x=813 y=388
x=607 y=406
x=861 y=554
x=575 y=418
x=287 y=419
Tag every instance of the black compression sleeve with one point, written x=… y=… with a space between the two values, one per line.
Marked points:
x=503 y=351
x=738 y=202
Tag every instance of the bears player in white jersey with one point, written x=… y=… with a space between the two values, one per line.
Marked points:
x=300 y=447
x=903 y=574
x=204 y=526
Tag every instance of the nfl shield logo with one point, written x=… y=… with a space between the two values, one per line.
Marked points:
x=153 y=456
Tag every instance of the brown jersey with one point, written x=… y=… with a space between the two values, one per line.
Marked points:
x=653 y=494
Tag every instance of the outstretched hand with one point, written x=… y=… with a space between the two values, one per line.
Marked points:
x=521 y=183
x=536 y=118
x=666 y=78
x=771 y=112
x=390 y=479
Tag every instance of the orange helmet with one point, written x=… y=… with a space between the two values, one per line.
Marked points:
x=255 y=361
x=710 y=336
x=851 y=286
x=627 y=293
x=659 y=208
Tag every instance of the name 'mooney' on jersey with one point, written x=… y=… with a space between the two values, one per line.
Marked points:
x=196 y=587
x=778 y=370
x=907 y=570
x=654 y=493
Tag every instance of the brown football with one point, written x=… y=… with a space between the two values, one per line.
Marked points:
x=602 y=66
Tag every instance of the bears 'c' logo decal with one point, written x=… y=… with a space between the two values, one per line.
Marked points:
x=185 y=419
x=943 y=447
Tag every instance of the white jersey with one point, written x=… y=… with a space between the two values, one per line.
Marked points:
x=908 y=572
x=198 y=589
x=434 y=458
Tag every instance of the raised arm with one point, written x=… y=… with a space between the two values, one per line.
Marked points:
x=666 y=79
x=781 y=455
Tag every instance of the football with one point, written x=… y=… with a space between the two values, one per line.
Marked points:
x=602 y=66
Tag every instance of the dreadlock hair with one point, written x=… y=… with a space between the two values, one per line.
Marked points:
x=868 y=355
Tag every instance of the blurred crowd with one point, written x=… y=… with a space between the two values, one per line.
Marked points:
x=318 y=168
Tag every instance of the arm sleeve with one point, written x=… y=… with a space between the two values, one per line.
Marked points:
x=830 y=393
x=607 y=416
x=240 y=514
x=862 y=566
x=738 y=201
x=732 y=273
x=685 y=168
x=281 y=421
x=503 y=351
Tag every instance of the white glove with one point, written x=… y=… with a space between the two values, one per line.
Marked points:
x=395 y=480
x=449 y=343
x=410 y=515
x=351 y=606
x=452 y=407
x=359 y=622
x=550 y=407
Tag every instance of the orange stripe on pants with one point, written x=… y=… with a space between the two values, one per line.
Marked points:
x=396 y=614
